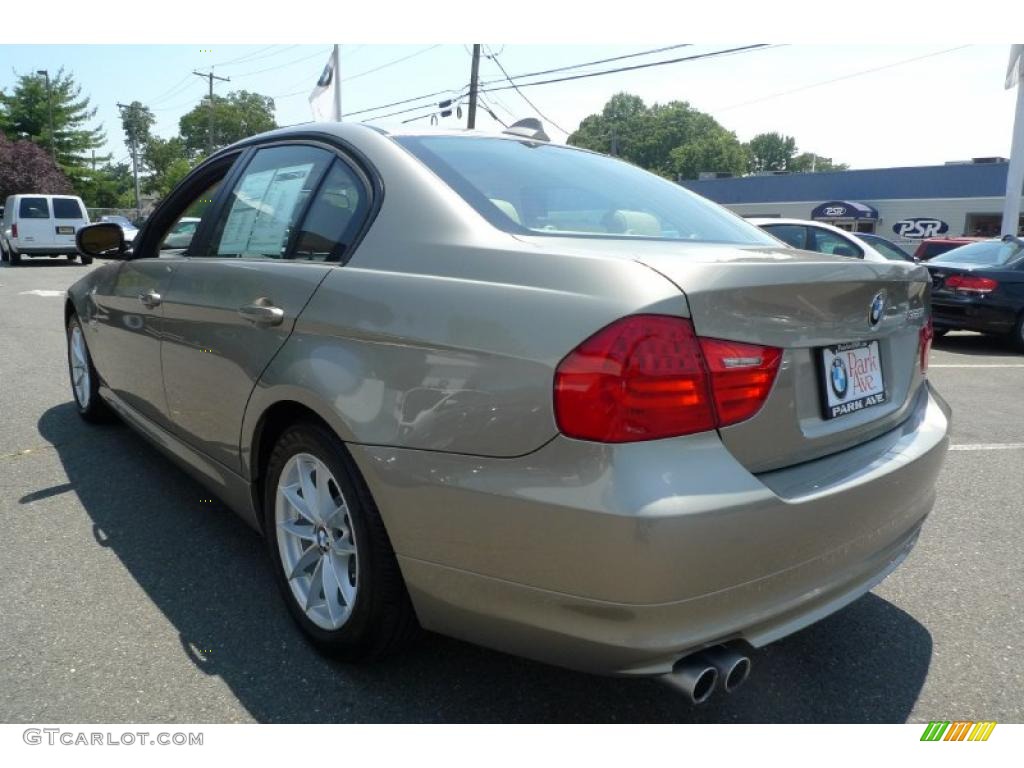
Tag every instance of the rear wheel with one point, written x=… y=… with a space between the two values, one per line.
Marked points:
x=84 y=381
x=940 y=332
x=331 y=554
x=1017 y=335
x=14 y=257
x=86 y=260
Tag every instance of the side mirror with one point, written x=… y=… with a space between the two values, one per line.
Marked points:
x=101 y=241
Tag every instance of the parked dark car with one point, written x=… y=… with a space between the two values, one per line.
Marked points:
x=980 y=287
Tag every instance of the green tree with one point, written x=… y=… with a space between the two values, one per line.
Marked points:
x=771 y=152
x=167 y=162
x=136 y=120
x=110 y=186
x=25 y=114
x=670 y=139
x=236 y=116
x=805 y=162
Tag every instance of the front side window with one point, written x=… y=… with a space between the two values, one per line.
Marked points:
x=833 y=244
x=34 y=208
x=547 y=189
x=266 y=202
x=178 y=238
x=66 y=208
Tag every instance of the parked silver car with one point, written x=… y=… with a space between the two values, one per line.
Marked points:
x=521 y=394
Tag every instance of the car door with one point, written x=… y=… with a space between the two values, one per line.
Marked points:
x=125 y=329
x=791 y=234
x=231 y=307
x=35 y=223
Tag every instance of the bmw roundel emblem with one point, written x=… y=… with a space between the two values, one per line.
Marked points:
x=839 y=379
x=877 y=308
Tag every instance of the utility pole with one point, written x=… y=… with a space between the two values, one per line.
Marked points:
x=211 y=77
x=49 y=103
x=135 y=166
x=474 y=85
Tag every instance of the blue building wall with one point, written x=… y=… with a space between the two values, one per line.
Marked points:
x=919 y=182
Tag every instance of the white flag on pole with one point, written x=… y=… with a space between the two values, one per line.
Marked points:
x=325 y=100
x=1016 y=66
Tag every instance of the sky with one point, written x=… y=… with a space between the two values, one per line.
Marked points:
x=923 y=104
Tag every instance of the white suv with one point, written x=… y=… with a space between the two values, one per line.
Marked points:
x=41 y=225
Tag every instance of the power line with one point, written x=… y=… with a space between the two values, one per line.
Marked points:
x=253 y=56
x=493 y=57
x=710 y=55
x=837 y=79
x=650 y=52
x=281 y=66
x=173 y=89
x=458 y=93
x=390 y=63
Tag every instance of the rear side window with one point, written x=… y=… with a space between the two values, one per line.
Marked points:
x=33 y=208
x=64 y=208
x=791 y=234
x=334 y=217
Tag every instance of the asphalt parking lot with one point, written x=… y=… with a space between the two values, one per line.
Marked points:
x=127 y=596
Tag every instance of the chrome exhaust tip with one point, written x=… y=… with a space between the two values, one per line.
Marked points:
x=733 y=667
x=696 y=677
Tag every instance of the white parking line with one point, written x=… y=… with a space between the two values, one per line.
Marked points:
x=976 y=365
x=987 y=447
x=38 y=292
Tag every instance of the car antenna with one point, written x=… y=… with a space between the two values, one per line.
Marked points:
x=528 y=128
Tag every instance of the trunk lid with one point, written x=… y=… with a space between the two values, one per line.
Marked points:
x=802 y=302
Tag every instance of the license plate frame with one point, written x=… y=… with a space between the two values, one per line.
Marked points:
x=847 y=391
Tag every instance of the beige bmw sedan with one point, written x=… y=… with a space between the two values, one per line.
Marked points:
x=519 y=393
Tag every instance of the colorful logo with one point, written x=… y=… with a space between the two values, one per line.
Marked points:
x=877 y=308
x=839 y=377
x=959 y=730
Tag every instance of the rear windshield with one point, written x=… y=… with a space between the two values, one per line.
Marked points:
x=544 y=189
x=65 y=208
x=992 y=253
x=33 y=208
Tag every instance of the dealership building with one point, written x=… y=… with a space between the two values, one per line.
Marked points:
x=902 y=204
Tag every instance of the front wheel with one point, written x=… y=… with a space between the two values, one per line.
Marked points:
x=331 y=554
x=84 y=381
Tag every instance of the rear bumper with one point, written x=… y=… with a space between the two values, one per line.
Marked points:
x=978 y=315
x=60 y=250
x=623 y=558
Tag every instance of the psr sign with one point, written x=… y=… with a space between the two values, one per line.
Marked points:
x=920 y=228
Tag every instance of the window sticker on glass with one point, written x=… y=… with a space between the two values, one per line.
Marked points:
x=263 y=212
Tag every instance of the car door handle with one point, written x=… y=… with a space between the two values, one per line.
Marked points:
x=261 y=312
x=150 y=299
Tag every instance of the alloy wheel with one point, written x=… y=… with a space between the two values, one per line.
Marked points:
x=80 y=379
x=316 y=541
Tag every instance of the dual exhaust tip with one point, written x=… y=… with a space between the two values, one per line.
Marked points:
x=699 y=674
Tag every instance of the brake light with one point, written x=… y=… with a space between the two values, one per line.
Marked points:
x=14 y=229
x=925 y=337
x=741 y=377
x=971 y=284
x=647 y=377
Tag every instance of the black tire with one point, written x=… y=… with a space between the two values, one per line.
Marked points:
x=14 y=257
x=94 y=409
x=382 y=621
x=940 y=332
x=1017 y=337
x=86 y=260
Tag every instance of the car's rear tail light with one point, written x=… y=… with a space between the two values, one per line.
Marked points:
x=971 y=284
x=926 y=335
x=741 y=377
x=14 y=229
x=645 y=377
